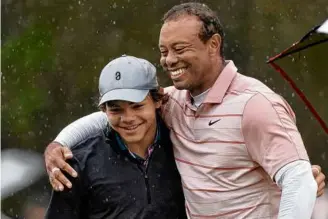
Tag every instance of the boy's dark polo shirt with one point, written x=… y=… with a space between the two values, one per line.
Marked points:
x=113 y=184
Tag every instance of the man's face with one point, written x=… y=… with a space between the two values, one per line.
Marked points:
x=134 y=122
x=183 y=55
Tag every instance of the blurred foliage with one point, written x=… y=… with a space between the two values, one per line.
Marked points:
x=53 y=51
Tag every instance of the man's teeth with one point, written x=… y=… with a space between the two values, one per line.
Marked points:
x=177 y=72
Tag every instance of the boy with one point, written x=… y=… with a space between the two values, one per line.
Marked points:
x=128 y=171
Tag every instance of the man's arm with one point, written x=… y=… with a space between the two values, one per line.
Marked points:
x=82 y=128
x=66 y=204
x=295 y=178
x=55 y=154
x=273 y=141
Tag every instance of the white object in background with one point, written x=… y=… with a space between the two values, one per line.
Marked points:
x=19 y=169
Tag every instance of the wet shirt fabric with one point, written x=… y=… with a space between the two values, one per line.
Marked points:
x=112 y=183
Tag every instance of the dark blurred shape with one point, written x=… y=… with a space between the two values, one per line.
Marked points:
x=308 y=56
x=36 y=205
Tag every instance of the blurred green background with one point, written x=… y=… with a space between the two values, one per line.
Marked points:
x=53 y=51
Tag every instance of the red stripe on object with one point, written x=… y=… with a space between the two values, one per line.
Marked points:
x=301 y=95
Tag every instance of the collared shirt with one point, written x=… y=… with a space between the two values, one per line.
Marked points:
x=150 y=149
x=229 y=148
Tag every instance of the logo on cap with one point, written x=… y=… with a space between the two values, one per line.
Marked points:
x=118 y=75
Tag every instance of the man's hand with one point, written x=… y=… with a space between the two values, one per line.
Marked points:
x=319 y=178
x=55 y=157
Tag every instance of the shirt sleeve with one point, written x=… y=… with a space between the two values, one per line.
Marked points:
x=82 y=128
x=271 y=136
x=299 y=190
x=67 y=204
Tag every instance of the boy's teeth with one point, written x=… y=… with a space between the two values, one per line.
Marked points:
x=132 y=127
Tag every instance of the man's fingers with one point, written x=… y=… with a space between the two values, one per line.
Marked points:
x=316 y=170
x=59 y=177
x=321 y=187
x=67 y=153
x=321 y=184
x=320 y=193
x=67 y=168
x=56 y=185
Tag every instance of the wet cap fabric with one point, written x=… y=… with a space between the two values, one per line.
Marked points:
x=127 y=78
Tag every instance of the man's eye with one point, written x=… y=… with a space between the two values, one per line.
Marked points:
x=164 y=53
x=179 y=49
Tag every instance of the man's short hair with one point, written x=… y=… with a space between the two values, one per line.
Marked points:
x=211 y=22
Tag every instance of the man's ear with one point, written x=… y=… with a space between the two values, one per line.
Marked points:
x=214 y=44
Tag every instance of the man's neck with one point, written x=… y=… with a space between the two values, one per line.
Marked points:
x=213 y=75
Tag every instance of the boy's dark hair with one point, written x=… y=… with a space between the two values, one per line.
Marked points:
x=211 y=22
x=154 y=94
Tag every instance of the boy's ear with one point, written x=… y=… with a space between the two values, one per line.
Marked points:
x=161 y=90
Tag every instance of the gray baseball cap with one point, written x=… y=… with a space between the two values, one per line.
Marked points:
x=127 y=78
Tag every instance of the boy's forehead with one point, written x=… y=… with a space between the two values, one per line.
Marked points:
x=124 y=102
x=118 y=102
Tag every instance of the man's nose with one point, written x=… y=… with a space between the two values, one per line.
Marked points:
x=171 y=59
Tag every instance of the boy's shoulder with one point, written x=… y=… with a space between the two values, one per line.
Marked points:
x=90 y=146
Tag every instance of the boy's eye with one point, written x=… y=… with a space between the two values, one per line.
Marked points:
x=115 y=110
x=137 y=106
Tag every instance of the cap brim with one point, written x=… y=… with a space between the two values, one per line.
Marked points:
x=131 y=95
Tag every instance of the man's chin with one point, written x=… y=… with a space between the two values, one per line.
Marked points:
x=180 y=86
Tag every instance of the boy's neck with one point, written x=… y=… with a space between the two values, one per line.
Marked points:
x=140 y=148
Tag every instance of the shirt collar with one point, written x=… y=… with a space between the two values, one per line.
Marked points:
x=222 y=83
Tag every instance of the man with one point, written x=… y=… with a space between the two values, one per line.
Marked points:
x=128 y=171
x=235 y=141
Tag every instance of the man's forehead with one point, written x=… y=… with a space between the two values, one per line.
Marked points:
x=182 y=21
x=184 y=27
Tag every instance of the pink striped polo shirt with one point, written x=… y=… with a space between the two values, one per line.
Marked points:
x=229 y=148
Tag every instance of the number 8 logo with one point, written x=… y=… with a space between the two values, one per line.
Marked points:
x=118 y=75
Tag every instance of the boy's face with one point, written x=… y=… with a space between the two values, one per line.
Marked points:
x=135 y=122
